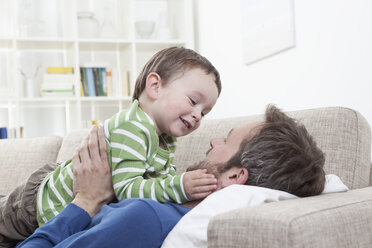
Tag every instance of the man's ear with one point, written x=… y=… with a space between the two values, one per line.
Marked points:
x=153 y=83
x=238 y=175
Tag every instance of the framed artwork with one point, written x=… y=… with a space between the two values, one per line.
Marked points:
x=268 y=28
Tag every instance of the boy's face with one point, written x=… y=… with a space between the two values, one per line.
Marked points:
x=183 y=101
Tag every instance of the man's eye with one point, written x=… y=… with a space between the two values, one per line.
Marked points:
x=202 y=114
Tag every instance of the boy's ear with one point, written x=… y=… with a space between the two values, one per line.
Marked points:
x=153 y=83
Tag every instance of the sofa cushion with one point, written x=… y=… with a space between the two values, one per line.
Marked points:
x=70 y=142
x=343 y=135
x=20 y=157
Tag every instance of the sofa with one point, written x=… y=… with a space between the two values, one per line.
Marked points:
x=331 y=220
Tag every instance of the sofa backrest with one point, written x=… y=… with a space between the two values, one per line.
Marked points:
x=70 y=142
x=20 y=157
x=343 y=134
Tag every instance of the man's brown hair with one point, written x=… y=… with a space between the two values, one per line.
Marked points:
x=171 y=62
x=283 y=156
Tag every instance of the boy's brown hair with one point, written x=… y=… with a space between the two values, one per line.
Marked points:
x=172 y=61
x=282 y=155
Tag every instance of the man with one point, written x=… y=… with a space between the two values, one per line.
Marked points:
x=278 y=153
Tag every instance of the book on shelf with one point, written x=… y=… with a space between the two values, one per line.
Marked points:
x=60 y=70
x=58 y=81
x=98 y=81
x=3 y=133
x=10 y=132
x=125 y=82
x=102 y=82
x=90 y=81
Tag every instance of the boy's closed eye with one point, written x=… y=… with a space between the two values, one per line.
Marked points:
x=192 y=101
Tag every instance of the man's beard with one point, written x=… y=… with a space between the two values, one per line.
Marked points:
x=212 y=168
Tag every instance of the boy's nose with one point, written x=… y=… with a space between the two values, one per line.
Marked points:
x=196 y=115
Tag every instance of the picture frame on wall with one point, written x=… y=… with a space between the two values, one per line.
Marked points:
x=268 y=28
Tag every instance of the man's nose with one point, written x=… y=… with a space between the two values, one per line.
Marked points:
x=215 y=142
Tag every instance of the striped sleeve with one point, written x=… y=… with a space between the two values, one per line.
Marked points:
x=132 y=148
x=129 y=152
x=158 y=189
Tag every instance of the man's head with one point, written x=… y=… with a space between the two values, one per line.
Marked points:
x=278 y=153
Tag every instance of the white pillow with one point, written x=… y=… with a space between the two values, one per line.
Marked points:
x=191 y=230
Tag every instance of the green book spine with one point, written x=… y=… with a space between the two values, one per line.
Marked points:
x=101 y=73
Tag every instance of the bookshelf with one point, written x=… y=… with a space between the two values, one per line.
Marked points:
x=36 y=34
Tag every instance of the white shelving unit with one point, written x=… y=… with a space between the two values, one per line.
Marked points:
x=45 y=33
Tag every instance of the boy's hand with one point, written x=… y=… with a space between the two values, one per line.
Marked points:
x=198 y=184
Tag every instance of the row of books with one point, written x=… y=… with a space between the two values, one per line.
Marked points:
x=98 y=81
x=95 y=81
x=9 y=133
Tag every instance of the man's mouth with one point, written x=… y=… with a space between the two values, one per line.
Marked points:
x=187 y=124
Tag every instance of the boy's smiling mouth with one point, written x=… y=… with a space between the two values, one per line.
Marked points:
x=187 y=124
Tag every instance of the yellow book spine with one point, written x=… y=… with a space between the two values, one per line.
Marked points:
x=81 y=89
x=60 y=70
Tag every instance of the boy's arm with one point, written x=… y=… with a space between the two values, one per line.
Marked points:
x=132 y=184
x=131 y=150
x=132 y=147
x=188 y=186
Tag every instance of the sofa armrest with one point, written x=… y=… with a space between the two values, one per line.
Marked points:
x=332 y=220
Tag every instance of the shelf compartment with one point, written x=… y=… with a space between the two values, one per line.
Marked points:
x=6 y=20
x=4 y=114
x=32 y=64
x=42 y=121
x=116 y=56
x=113 y=17
x=53 y=19
x=6 y=62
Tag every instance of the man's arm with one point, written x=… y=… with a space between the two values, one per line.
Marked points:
x=71 y=220
x=90 y=165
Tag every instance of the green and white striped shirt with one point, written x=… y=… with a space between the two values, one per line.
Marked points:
x=140 y=168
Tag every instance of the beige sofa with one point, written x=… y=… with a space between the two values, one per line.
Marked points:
x=333 y=220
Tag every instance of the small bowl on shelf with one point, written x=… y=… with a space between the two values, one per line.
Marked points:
x=145 y=29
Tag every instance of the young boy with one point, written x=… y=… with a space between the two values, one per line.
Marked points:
x=175 y=89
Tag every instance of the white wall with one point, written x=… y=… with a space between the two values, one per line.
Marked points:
x=331 y=64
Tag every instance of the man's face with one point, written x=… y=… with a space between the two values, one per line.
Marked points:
x=222 y=149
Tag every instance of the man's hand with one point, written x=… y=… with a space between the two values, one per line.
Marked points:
x=198 y=184
x=92 y=175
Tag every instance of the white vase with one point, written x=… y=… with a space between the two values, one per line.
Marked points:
x=30 y=88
